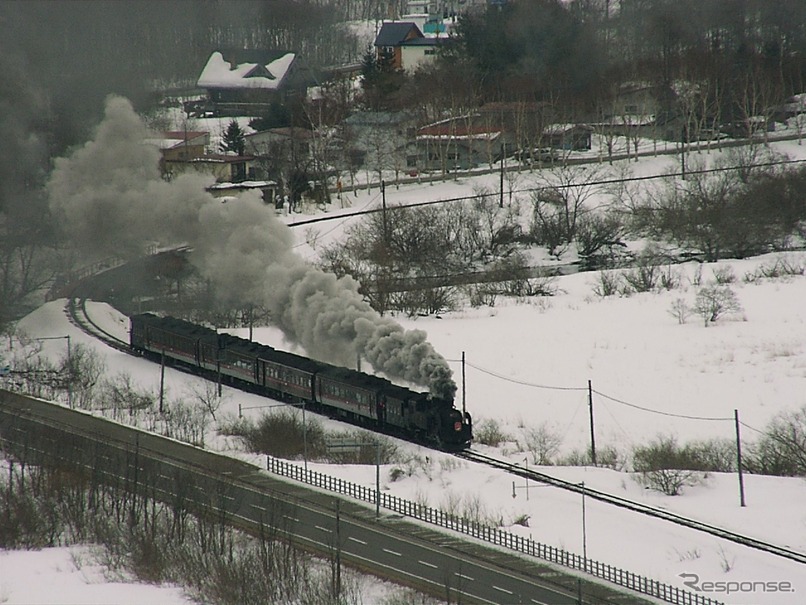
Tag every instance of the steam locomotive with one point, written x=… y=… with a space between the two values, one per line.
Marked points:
x=341 y=393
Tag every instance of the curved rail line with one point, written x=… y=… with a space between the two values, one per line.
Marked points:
x=77 y=313
x=76 y=310
x=633 y=506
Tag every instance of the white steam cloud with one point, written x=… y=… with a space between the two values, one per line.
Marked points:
x=110 y=198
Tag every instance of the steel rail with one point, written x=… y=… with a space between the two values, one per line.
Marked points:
x=634 y=506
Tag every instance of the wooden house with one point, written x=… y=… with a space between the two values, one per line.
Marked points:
x=182 y=145
x=224 y=168
x=268 y=190
x=569 y=137
x=391 y=38
x=460 y=144
x=246 y=82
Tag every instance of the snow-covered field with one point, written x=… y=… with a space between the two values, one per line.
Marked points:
x=633 y=351
x=528 y=366
x=58 y=576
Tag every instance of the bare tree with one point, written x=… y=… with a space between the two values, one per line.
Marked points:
x=206 y=393
x=714 y=302
x=781 y=450
x=542 y=443
x=666 y=467
x=560 y=202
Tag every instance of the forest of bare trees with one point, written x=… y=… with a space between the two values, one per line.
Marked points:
x=720 y=61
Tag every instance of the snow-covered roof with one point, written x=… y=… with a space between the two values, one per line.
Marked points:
x=475 y=136
x=171 y=139
x=243 y=69
x=631 y=120
x=564 y=128
x=394 y=33
x=242 y=185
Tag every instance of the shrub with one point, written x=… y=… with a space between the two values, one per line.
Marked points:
x=666 y=467
x=712 y=455
x=542 y=443
x=724 y=275
x=715 y=301
x=284 y=435
x=522 y=520
x=396 y=473
x=608 y=283
x=489 y=432
x=781 y=268
x=781 y=450
x=679 y=310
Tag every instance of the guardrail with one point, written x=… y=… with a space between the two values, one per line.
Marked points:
x=493 y=535
x=63 y=283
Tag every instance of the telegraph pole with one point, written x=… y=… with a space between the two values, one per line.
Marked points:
x=593 y=434
x=162 y=380
x=739 y=458
x=501 y=187
x=383 y=204
x=464 y=390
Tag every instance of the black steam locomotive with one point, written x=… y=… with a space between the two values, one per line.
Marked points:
x=341 y=393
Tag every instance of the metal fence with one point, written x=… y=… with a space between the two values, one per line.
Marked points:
x=493 y=535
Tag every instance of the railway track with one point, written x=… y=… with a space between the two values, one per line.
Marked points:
x=633 y=506
x=76 y=311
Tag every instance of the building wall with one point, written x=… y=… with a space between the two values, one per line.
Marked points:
x=413 y=57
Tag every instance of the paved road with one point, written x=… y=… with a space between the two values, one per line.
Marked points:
x=436 y=562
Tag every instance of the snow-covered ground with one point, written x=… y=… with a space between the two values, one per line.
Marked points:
x=634 y=352
x=528 y=365
x=57 y=576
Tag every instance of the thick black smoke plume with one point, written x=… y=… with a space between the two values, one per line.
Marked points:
x=110 y=198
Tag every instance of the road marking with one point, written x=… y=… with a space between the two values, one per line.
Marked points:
x=464 y=577
x=391 y=552
x=427 y=564
x=357 y=540
x=260 y=508
x=330 y=531
x=502 y=589
x=294 y=519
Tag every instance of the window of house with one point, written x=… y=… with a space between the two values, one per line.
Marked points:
x=411 y=161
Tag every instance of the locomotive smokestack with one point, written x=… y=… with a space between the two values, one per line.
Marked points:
x=111 y=199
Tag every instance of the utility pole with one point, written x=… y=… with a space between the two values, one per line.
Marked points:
x=69 y=382
x=593 y=434
x=501 y=186
x=304 y=437
x=739 y=458
x=584 y=529
x=337 y=579
x=162 y=381
x=683 y=143
x=464 y=390
x=377 y=481
x=383 y=204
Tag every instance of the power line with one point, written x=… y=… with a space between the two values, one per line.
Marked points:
x=477 y=196
x=605 y=396
x=522 y=382
x=638 y=407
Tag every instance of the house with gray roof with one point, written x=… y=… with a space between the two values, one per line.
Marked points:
x=247 y=81
x=405 y=45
